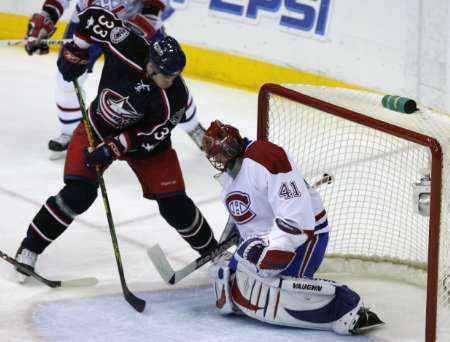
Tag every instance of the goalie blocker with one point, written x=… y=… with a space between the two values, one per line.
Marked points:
x=296 y=302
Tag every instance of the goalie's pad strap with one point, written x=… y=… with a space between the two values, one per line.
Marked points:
x=223 y=277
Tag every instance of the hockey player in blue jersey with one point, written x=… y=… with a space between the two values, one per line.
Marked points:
x=141 y=98
x=143 y=15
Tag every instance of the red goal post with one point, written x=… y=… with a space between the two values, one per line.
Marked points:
x=389 y=200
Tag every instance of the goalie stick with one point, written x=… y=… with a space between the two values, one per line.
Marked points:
x=172 y=277
x=81 y=282
x=229 y=237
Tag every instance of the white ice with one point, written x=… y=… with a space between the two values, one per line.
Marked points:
x=33 y=312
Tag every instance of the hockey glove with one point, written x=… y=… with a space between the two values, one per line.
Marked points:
x=73 y=61
x=40 y=26
x=104 y=154
x=252 y=249
x=146 y=24
x=256 y=255
x=158 y=4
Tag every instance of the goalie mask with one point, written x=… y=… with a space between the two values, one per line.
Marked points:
x=222 y=144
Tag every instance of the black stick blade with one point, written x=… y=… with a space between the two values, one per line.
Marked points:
x=80 y=282
x=137 y=303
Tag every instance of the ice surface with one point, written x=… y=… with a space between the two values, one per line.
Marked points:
x=185 y=313
x=173 y=315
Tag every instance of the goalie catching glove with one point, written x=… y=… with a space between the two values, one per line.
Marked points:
x=105 y=153
x=271 y=254
x=256 y=255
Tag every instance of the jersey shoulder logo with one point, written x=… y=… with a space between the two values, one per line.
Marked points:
x=175 y=119
x=238 y=204
x=118 y=35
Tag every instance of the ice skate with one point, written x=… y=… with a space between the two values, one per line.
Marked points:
x=367 y=320
x=28 y=259
x=58 y=146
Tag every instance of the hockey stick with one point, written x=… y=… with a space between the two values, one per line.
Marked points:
x=230 y=228
x=137 y=303
x=227 y=239
x=18 y=42
x=326 y=178
x=81 y=282
x=171 y=276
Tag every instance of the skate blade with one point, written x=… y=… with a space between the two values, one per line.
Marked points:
x=21 y=278
x=55 y=155
x=363 y=330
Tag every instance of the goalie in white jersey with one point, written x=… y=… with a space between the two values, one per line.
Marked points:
x=145 y=16
x=284 y=231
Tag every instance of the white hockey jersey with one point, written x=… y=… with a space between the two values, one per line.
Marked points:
x=124 y=9
x=269 y=185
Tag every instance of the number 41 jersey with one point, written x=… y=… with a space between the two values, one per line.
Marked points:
x=268 y=186
x=128 y=103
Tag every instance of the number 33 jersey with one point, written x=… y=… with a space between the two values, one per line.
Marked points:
x=269 y=186
x=128 y=103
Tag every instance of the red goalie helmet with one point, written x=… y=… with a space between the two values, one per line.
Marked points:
x=222 y=144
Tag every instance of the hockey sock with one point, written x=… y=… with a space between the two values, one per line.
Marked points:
x=58 y=213
x=182 y=214
x=48 y=224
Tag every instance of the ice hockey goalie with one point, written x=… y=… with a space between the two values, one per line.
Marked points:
x=284 y=229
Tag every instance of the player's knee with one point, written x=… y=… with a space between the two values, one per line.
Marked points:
x=177 y=210
x=78 y=195
x=62 y=86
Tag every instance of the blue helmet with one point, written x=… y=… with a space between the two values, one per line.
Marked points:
x=166 y=55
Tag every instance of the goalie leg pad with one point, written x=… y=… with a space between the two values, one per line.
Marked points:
x=223 y=277
x=345 y=324
x=296 y=302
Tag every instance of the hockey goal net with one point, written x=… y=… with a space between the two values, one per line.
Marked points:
x=389 y=201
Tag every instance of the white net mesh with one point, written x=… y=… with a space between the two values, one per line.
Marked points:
x=371 y=206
